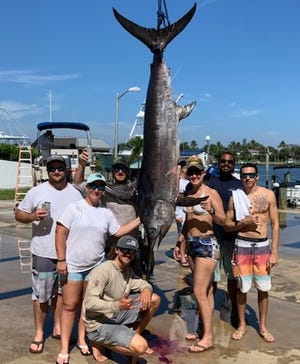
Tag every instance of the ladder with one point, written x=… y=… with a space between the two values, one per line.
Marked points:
x=25 y=255
x=24 y=173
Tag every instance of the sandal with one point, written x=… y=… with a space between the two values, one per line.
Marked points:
x=84 y=350
x=198 y=348
x=38 y=350
x=185 y=263
x=62 y=359
x=56 y=336
x=267 y=336
x=191 y=336
x=239 y=334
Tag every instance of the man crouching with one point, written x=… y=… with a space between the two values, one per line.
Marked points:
x=116 y=301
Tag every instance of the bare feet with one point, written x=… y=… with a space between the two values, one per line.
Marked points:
x=149 y=351
x=97 y=354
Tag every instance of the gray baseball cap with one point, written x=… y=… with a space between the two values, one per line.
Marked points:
x=128 y=242
x=56 y=158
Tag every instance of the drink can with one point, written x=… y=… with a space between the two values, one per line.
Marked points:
x=90 y=157
x=46 y=205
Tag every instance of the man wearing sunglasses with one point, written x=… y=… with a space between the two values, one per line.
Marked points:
x=225 y=182
x=56 y=194
x=116 y=298
x=254 y=255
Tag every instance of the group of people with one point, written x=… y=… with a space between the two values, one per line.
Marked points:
x=69 y=241
x=85 y=243
x=226 y=224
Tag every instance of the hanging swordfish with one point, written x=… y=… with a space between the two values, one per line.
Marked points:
x=158 y=180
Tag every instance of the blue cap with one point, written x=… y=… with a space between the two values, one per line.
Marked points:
x=94 y=177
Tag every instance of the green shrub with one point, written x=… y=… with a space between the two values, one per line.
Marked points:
x=7 y=194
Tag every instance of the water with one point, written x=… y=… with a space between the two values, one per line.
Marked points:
x=279 y=173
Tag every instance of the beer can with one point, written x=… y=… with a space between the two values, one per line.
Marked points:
x=90 y=157
x=46 y=205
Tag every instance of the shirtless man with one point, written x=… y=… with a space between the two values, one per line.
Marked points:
x=203 y=247
x=254 y=256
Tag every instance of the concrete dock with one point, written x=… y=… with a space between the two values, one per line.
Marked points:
x=16 y=327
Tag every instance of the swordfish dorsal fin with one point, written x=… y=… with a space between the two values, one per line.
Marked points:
x=156 y=39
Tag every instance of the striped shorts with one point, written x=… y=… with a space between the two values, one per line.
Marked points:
x=44 y=279
x=250 y=264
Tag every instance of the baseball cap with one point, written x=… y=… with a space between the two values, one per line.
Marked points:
x=195 y=162
x=56 y=158
x=94 y=177
x=128 y=242
x=120 y=163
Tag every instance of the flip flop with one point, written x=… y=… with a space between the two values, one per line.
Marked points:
x=37 y=350
x=267 y=336
x=191 y=336
x=197 y=348
x=184 y=264
x=238 y=334
x=63 y=357
x=84 y=350
x=56 y=337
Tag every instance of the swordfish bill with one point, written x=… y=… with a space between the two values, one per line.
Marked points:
x=158 y=181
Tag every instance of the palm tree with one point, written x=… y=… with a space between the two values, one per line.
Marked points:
x=136 y=145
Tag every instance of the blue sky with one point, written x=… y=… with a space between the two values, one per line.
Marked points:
x=239 y=59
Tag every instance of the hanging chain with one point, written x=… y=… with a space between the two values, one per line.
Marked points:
x=162 y=15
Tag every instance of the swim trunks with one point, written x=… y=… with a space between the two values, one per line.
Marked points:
x=250 y=263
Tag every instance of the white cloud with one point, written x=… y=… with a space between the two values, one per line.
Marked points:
x=206 y=2
x=30 y=77
x=18 y=110
x=240 y=113
x=205 y=97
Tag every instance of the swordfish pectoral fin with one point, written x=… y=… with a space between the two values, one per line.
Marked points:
x=185 y=110
x=155 y=40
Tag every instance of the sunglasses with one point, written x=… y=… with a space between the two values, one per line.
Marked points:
x=228 y=161
x=53 y=169
x=196 y=172
x=120 y=168
x=127 y=251
x=250 y=175
x=94 y=187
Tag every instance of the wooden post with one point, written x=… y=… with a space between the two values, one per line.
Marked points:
x=282 y=198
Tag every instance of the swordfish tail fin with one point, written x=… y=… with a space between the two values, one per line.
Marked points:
x=156 y=39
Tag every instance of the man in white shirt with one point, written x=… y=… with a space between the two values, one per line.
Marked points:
x=42 y=206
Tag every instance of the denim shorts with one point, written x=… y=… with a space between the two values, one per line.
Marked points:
x=204 y=247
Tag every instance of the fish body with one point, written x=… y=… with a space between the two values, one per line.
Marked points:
x=158 y=180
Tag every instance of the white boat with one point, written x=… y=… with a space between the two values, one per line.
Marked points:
x=288 y=185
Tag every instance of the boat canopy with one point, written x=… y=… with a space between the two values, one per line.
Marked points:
x=62 y=125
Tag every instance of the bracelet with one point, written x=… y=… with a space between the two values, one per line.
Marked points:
x=61 y=260
x=178 y=244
